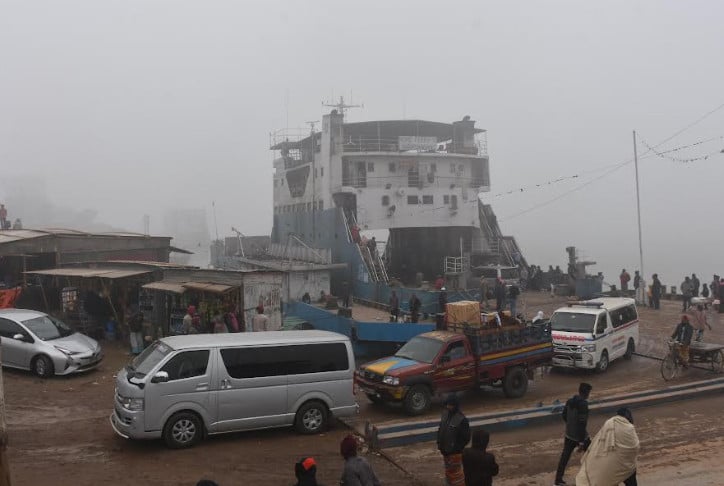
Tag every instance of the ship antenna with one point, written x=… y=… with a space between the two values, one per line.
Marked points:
x=341 y=106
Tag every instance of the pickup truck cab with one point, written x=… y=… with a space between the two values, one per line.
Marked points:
x=441 y=362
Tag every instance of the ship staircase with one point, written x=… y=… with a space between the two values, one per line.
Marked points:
x=373 y=262
x=501 y=248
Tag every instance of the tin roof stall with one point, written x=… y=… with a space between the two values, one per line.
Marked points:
x=89 y=297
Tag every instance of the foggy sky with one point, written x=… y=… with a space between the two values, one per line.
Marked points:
x=131 y=107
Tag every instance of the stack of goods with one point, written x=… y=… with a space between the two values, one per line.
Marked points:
x=460 y=316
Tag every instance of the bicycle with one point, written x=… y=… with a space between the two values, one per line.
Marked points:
x=671 y=364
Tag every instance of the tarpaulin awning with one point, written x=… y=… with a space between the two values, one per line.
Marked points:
x=176 y=288
x=209 y=287
x=111 y=273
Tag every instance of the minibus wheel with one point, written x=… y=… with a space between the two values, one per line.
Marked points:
x=311 y=418
x=182 y=430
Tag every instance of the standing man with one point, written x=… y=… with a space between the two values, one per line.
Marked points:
x=415 y=305
x=695 y=284
x=700 y=322
x=687 y=290
x=479 y=465
x=683 y=334
x=3 y=217
x=188 y=322
x=624 y=278
x=442 y=300
x=714 y=287
x=134 y=321
x=452 y=437
x=637 y=280
x=260 y=322
x=394 y=307
x=655 y=291
x=575 y=415
x=513 y=293
x=499 y=294
x=345 y=294
x=483 y=292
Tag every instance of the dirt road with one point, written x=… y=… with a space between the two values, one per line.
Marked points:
x=60 y=435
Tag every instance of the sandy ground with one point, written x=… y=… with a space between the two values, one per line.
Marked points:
x=59 y=431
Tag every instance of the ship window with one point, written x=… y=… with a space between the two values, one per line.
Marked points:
x=412 y=200
x=392 y=167
x=454 y=201
x=427 y=199
x=385 y=200
x=446 y=199
x=370 y=166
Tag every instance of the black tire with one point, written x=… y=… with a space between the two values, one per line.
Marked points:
x=374 y=398
x=669 y=368
x=43 y=367
x=602 y=365
x=515 y=383
x=630 y=349
x=418 y=400
x=311 y=418
x=183 y=430
x=717 y=361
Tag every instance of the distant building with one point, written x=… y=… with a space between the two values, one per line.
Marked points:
x=190 y=231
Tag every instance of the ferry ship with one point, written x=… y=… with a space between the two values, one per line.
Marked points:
x=419 y=180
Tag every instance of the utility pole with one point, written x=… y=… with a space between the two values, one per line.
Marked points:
x=4 y=466
x=641 y=291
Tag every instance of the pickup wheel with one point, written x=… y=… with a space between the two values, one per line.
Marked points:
x=515 y=383
x=417 y=400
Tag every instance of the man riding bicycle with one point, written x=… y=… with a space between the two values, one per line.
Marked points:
x=683 y=334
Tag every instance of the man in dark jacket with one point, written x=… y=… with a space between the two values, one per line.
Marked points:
x=479 y=466
x=306 y=472
x=452 y=437
x=655 y=291
x=414 y=305
x=357 y=471
x=575 y=415
x=683 y=334
x=499 y=294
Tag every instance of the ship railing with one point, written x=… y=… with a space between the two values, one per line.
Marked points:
x=457 y=264
x=379 y=144
x=419 y=181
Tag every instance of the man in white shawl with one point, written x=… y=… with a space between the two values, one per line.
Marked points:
x=611 y=457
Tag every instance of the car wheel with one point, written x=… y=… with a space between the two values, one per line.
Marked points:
x=311 y=418
x=603 y=364
x=43 y=366
x=630 y=349
x=183 y=430
x=515 y=383
x=417 y=400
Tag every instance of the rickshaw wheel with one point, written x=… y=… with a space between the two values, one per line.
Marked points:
x=669 y=368
x=717 y=361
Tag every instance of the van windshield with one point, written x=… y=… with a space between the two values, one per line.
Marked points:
x=572 y=322
x=420 y=349
x=509 y=273
x=148 y=359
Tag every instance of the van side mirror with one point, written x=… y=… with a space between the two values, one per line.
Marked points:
x=160 y=377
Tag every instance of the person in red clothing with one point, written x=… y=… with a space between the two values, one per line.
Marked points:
x=355 y=233
x=439 y=282
x=624 y=278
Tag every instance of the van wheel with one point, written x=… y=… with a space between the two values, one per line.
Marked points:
x=603 y=364
x=182 y=430
x=417 y=400
x=515 y=383
x=311 y=418
x=43 y=366
x=630 y=349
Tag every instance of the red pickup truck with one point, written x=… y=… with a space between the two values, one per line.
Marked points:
x=441 y=362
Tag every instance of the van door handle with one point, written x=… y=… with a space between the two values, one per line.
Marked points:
x=225 y=384
x=202 y=386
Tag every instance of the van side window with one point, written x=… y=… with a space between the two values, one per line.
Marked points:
x=285 y=360
x=187 y=364
x=601 y=324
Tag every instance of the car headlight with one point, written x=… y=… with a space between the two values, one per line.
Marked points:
x=67 y=352
x=589 y=347
x=391 y=380
x=132 y=404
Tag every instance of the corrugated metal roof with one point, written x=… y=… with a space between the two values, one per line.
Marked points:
x=89 y=272
x=208 y=287
x=176 y=288
x=8 y=236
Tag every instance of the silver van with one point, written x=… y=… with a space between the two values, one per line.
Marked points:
x=182 y=388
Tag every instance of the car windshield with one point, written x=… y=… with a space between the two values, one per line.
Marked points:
x=47 y=328
x=149 y=358
x=509 y=273
x=420 y=349
x=572 y=322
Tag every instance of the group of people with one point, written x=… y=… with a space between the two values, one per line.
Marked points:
x=5 y=222
x=222 y=322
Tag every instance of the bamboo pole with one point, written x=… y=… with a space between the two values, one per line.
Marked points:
x=4 y=465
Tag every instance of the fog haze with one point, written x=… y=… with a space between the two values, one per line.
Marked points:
x=126 y=108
